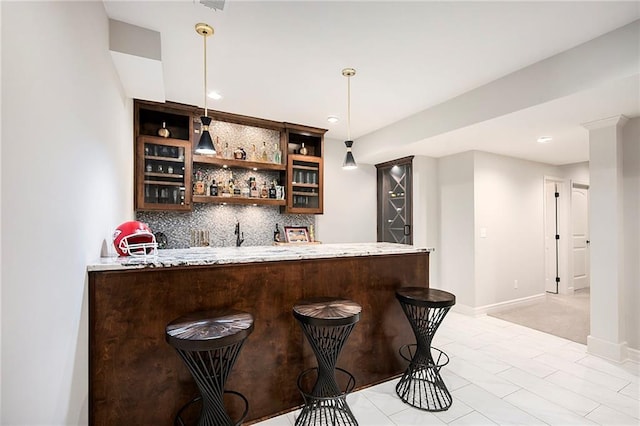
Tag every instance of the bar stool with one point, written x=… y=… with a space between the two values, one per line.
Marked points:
x=326 y=322
x=209 y=343
x=421 y=385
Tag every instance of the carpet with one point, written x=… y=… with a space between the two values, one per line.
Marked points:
x=561 y=315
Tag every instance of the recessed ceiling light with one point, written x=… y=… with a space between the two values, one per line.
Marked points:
x=215 y=95
x=332 y=119
x=544 y=139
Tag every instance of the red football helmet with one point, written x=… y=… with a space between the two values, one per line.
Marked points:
x=134 y=238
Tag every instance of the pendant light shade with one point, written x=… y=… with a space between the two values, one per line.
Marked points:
x=349 y=161
x=205 y=145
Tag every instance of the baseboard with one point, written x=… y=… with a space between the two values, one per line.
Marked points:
x=617 y=352
x=496 y=307
x=633 y=355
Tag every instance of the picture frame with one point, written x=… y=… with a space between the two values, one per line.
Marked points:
x=296 y=234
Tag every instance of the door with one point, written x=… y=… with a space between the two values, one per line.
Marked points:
x=394 y=201
x=580 y=235
x=551 y=243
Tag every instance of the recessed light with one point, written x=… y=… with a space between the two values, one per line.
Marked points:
x=332 y=119
x=544 y=139
x=215 y=95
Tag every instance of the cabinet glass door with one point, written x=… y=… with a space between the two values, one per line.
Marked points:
x=394 y=201
x=305 y=184
x=165 y=180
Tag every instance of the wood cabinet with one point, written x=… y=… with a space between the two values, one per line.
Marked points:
x=289 y=154
x=305 y=169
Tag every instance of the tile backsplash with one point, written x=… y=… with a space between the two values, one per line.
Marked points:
x=257 y=223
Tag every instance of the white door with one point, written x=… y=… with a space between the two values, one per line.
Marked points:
x=580 y=235
x=550 y=243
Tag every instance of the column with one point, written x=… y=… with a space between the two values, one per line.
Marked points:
x=606 y=338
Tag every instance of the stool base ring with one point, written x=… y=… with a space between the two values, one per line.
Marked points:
x=421 y=385
x=179 y=422
x=328 y=409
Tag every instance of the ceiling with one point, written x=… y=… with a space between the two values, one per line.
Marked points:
x=283 y=60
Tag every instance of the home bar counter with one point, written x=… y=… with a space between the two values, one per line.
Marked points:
x=135 y=377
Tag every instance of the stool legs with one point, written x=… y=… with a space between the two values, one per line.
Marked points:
x=327 y=403
x=421 y=385
x=210 y=370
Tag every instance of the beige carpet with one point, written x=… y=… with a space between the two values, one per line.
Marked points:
x=561 y=315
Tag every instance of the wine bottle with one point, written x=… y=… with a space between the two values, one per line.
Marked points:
x=213 y=189
x=272 y=190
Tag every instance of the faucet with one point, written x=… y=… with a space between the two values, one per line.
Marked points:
x=239 y=235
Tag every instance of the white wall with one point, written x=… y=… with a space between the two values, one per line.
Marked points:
x=509 y=207
x=426 y=212
x=349 y=199
x=576 y=172
x=631 y=220
x=456 y=251
x=66 y=184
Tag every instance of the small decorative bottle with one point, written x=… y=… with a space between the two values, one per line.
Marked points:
x=213 y=189
x=303 y=149
x=272 y=190
x=163 y=131
x=232 y=184
x=253 y=188
x=276 y=234
x=226 y=153
x=312 y=236
x=198 y=184
x=264 y=192
x=265 y=157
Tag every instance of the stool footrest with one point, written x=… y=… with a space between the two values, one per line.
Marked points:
x=408 y=352
x=214 y=419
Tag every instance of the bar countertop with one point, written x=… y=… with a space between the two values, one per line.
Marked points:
x=202 y=256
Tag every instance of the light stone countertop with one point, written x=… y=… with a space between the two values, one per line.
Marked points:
x=202 y=256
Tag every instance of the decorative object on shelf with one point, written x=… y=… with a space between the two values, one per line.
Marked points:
x=277 y=154
x=312 y=235
x=134 y=238
x=303 y=150
x=296 y=234
x=276 y=234
x=163 y=131
x=349 y=161
x=205 y=145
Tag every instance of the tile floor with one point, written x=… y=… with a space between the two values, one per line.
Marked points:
x=504 y=373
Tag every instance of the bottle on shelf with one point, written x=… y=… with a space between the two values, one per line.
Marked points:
x=232 y=185
x=303 y=149
x=198 y=184
x=213 y=188
x=276 y=234
x=264 y=158
x=312 y=235
x=272 y=190
x=253 y=188
x=277 y=154
x=218 y=148
x=264 y=192
x=253 y=155
x=226 y=152
x=163 y=131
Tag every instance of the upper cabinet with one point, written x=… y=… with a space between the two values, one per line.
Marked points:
x=257 y=161
x=305 y=169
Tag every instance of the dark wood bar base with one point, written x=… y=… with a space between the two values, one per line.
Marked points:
x=135 y=377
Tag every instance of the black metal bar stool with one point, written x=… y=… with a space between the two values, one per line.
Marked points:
x=327 y=323
x=209 y=343
x=421 y=385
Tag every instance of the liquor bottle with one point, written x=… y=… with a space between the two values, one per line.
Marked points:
x=276 y=234
x=253 y=188
x=312 y=235
x=277 y=154
x=213 y=189
x=232 y=184
x=265 y=157
x=272 y=190
x=226 y=153
x=198 y=184
x=218 y=148
x=264 y=192
x=253 y=155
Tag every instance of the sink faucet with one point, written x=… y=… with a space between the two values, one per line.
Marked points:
x=239 y=235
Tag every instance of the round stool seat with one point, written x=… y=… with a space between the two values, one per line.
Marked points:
x=201 y=331
x=327 y=311
x=426 y=297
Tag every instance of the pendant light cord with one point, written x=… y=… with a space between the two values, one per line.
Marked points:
x=205 y=74
x=349 y=108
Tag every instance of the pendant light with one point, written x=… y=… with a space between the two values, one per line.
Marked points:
x=205 y=145
x=349 y=161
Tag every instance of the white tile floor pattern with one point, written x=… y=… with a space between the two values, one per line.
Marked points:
x=504 y=373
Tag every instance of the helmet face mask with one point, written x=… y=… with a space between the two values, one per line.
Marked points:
x=134 y=238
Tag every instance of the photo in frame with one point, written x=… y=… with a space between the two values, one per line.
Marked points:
x=296 y=234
